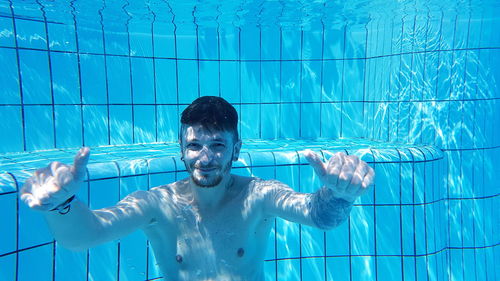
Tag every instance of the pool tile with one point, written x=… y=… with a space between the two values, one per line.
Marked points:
x=142 y=81
x=288 y=270
x=337 y=268
x=40 y=270
x=10 y=76
x=116 y=40
x=15 y=142
x=141 y=41
x=250 y=48
x=93 y=79
x=164 y=39
x=270 y=38
x=229 y=42
x=34 y=67
x=31 y=34
x=62 y=37
x=230 y=74
x=102 y=170
x=70 y=265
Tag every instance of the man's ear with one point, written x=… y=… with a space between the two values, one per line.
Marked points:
x=237 y=148
x=181 y=149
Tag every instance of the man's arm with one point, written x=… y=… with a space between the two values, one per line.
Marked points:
x=319 y=209
x=76 y=226
x=344 y=178
x=82 y=228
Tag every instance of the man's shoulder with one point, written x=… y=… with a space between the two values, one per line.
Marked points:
x=255 y=182
x=243 y=180
x=169 y=189
x=269 y=182
x=265 y=186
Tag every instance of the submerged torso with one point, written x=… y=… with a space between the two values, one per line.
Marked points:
x=223 y=243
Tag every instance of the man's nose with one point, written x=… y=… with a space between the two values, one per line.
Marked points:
x=206 y=155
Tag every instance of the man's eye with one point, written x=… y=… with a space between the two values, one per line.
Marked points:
x=193 y=146
x=219 y=146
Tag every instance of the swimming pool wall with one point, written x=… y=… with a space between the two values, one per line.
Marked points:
x=424 y=78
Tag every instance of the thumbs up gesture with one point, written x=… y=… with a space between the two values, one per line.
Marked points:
x=346 y=175
x=51 y=186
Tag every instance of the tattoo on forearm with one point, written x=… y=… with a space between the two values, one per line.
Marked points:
x=328 y=211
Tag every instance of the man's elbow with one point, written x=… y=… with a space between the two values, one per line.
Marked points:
x=78 y=244
x=72 y=246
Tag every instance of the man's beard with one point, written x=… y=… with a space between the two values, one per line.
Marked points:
x=207 y=182
x=210 y=181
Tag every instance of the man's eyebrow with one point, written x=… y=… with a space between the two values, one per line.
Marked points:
x=218 y=139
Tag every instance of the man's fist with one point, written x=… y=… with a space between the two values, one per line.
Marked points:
x=54 y=184
x=346 y=175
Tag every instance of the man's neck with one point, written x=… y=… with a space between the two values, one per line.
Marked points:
x=210 y=197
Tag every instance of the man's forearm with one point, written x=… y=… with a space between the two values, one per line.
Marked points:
x=78 y=229
x=327 y=211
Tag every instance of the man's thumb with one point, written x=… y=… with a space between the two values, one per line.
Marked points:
x=316 y=162
x=80 y=162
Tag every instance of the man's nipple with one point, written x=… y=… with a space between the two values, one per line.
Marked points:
x=240 y=252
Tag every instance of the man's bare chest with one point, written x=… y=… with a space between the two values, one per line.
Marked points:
x=226 y=240
x=226 y=232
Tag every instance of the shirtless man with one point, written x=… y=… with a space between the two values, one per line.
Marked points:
x=212 y=225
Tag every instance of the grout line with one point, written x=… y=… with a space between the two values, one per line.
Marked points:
x=265 y=60
x=130 y=71
x=106 y=82
x=153 y=62
x=51 y=78
x=444 y=249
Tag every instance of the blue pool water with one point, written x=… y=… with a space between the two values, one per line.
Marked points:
x=411 y=86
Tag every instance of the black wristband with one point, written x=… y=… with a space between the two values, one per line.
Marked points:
x=65 y=206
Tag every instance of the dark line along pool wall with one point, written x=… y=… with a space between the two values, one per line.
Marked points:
x=425 y=79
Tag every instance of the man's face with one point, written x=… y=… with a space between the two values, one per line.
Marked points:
x=208 y=155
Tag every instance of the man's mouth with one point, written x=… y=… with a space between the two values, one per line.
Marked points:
x=206 y=169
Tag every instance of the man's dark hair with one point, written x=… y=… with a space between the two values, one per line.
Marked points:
x=213 y=113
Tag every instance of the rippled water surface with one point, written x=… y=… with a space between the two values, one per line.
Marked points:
x=236 y=13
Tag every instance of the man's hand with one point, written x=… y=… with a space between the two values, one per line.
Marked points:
x=346 y=175
x=54 y=184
